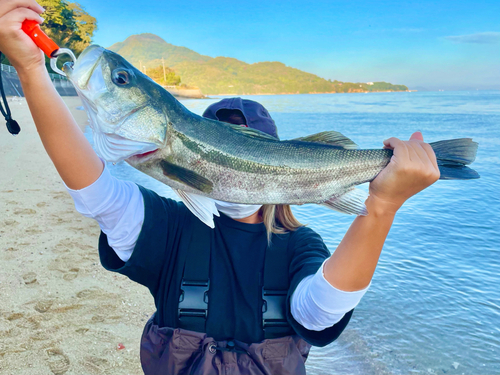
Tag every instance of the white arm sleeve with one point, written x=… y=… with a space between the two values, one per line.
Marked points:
x=316 y=304
x=118 y=207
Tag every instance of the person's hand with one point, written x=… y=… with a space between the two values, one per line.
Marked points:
x=21 y=51
x=412 y=168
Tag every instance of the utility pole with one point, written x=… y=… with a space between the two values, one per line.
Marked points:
x=164 y=74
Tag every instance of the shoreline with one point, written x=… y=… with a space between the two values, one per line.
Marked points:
x=309 y=93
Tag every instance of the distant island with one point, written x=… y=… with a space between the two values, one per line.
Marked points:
x=184 y=68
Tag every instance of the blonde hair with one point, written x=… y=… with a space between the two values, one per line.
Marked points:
x=278 y=218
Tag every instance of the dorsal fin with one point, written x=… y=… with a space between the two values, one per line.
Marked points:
x=251 y=132
x=331 y=137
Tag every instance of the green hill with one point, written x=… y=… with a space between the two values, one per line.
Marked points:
x=150 y=49
x=226 y=75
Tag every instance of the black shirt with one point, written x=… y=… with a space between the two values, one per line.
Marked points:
x=236 y=266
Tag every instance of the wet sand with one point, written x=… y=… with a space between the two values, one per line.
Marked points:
x=61 y=312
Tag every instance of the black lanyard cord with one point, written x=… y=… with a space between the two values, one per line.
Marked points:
x=12 y=124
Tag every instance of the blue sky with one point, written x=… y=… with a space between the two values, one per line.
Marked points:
x=433 y=44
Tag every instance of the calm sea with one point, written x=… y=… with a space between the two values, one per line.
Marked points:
x=434 y=303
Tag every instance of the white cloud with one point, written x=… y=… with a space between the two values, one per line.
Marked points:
x=478 y=38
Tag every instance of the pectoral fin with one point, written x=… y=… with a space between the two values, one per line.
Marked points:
x=186 y=176
x=352 y=202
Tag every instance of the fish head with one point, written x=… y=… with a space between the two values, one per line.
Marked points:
x=123 y=104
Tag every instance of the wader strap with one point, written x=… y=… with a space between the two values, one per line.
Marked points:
x=193 y=299
x=275 y=290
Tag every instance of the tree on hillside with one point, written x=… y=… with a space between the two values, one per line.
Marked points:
x=86 y=25
x=68 y=24
x=164 y=76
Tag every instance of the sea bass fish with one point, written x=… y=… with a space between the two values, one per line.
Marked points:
x=136 y=120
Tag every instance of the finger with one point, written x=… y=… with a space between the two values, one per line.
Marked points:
x=417 y=136
x=430 y=154
x=398 y=146
x=424 y=150
x=8 y=6
x=14 y=4
x=392 y=142
x=22 y=14
x=418 y=153
x=430 y=171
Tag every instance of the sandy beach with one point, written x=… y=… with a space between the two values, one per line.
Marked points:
x=61 y=312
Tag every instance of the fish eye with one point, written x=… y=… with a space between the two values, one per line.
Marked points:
x=120 y=77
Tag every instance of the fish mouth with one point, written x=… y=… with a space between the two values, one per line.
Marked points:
x=141 y=158
x=82 y=70
x=148 y=153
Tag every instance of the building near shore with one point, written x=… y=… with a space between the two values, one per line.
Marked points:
x=13 y=87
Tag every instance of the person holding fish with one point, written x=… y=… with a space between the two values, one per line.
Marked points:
x=240 y=285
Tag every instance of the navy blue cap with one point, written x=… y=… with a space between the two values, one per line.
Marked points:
x=256 y=116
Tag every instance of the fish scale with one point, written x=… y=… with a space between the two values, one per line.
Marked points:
x=263 y=180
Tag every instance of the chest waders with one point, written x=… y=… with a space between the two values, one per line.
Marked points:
x=187 y=350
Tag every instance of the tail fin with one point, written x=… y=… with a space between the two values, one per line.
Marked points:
x=453 y=156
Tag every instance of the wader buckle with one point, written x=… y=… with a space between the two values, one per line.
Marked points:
x=273 y=308
x=193 y=301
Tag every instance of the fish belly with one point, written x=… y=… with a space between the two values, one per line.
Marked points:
x=292 y=186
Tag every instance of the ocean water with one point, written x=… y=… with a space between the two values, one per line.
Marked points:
x=434 y=303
